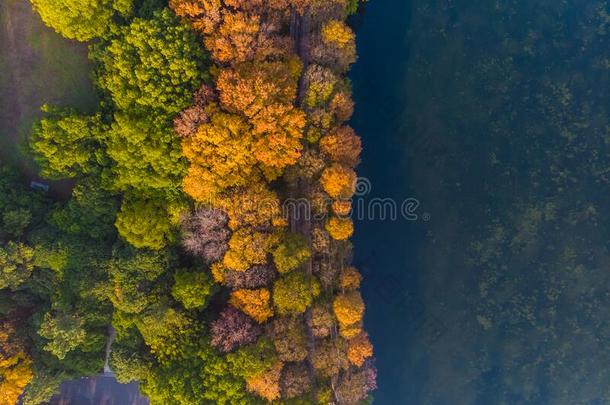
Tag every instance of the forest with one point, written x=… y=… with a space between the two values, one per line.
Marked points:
x=212 y=116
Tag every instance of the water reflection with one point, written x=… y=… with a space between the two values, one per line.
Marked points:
x=494 y=115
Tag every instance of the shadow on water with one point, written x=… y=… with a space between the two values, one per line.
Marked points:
x=385 y=250
x=494 y=115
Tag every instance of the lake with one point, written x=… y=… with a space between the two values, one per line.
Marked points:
x=493 y=117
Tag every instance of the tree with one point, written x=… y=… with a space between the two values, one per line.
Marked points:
x=155 y=64
x=294 y=292
x=15 y=365
x=255 y=303
x=233 y=329
x=350 y=279
x=267 y=384
x=82 y=20
x=220 y=153
x=353 y=387
x=193 y=288
x=255 y=277
x=342 y=106
x=254 y=205
x=219 y=383
x=241 y=37
x=187 y=122
x=321 y=321
x=64 y=331
x=289 y=338
x=249 y=88
x=132 y=275
x=63 y=143
x=320 y=240
x=279 y=130
x=144 y=223
x=337 y=33
x=348 y=308
x=247 y=248
x=291 y=253
x=338 y=181
x=295 y=380
x=16 y=264
x=321 y=83
x=329 y=357
x=340 y=228
x=343 y=146
x=254 y=359
x=265 y=94
x=204 y=15
x=146 y=154
x=90 y=212
x=336 y=47
x=128 y=366
x=43 y=386
x=359 y=349
x=16 y=221
x=205 y=234
x=167 y=332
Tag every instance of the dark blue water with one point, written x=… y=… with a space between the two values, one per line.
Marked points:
x=494 y=116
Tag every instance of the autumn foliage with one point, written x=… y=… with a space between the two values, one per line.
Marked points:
x=15 y=365
x=273 y=128
x=255 y=303
x=359 y=349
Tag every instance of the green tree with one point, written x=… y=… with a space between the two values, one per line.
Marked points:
x=64 y=331
x=253 y=359
x=90 y=212
x=155 y=63
x=291 y=253
x=16 y=221
x=16 y=264
x=81 y=19
x=128 y=365
x=146 y=154
x=42 y=388
x=294 y=293
x=63 y=143
x=167 y=332
x=132 y=274
x=144 y=223
x=193 y=288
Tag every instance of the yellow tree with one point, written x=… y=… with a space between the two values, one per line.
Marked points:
x=348 y=308
x=279 y=130
x=338 y=181
x=267 y=384
x=241 y=37
x=340 y=228
x=255 y=303
x=221 y=156
x=204 y=15
x=248 y=247
x=250 y=87
x=253 y=205
x=15 y=366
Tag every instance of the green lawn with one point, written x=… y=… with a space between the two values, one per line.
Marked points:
x=37 y=66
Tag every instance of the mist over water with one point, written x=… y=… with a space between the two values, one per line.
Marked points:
x=493 y=115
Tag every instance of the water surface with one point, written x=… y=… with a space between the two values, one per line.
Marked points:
x=494 y=116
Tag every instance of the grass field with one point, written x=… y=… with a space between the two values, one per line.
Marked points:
x=37 y=66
